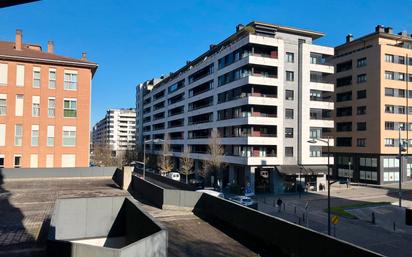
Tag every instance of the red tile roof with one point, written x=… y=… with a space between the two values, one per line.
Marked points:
x=8 y=52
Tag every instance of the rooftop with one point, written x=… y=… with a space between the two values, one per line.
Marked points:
x=26 y=207
x=18 y=51
x=253 y=27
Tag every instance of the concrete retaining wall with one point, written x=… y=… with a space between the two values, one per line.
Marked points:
x=274 y=234
x=164 y=198
x=26 y=173
x=268 y=232
x=173 y=183
x=104 y=217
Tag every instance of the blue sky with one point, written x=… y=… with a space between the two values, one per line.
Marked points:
x=133 y=41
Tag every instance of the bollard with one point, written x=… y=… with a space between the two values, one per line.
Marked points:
x=299 y=220
x=295 y=209
x=284 y=207
x=394 y=226
x=303 y=217
x=373 y=218
x=274 y=203
x=264 y=199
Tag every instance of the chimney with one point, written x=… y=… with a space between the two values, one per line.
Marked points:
x=403 y=33
x=84 y=56
x=50 y=47
x=389 y=30
x=239 y=27
x=349 y=38
x=19 y=39
x=379 y=28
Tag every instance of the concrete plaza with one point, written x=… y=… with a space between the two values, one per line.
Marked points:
x=380 y=237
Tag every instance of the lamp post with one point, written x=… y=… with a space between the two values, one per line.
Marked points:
x=401 y=149
x=314 y=141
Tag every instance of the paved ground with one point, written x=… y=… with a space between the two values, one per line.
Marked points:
x=25 y=205
x=191 y=236
x=378 y=237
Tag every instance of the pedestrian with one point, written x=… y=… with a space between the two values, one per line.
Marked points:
x=279 y=203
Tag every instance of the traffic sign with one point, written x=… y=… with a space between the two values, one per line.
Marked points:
x=335 y=219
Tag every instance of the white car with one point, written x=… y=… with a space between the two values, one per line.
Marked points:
x=243 y=200
x=211 y=192
x=173 y=175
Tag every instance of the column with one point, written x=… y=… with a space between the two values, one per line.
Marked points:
x=250 y=180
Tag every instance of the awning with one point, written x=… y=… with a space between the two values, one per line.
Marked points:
x=322 y=169
x=304 y=170
x=289 y=169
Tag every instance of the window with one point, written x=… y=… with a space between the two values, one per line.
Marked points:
x=69 y=136
x=36 y=77
x=389 y=75
x=391 y=162
x=343 y=126
x=19 y=105
x=315 y=151
x=34 y=161
x=17 y=161
x=51 y=106
x=3 y=104
x=20 y=75
x=290 y=57
x=389 y=58
x=343 y=141
x=361 y=94
x=345 y=81
x=49 y=161
x=361 y=142
x=361 y=110
x=2 y=134
x=50 y=135
x=344 y=111
x=389 y=142
x=290 y=76
x=34 y=135
x=361 y=126
x=361 y=78
x=70 y=80
x=1 y=161
x=68 y=160
x=289 y=151
x=389 y=91
x=289 y=94
x=3 y=74
x=18 y=135
x=368 y=162
x=288 y=113
x=344 y=66
x=35 y=106
x=368 y=175
x=362 y=62
x=52 y=78
x=289 y=132
x=345 y=96
x=70 y=108
x=315 y=132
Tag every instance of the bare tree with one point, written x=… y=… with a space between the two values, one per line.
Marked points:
x=165 y=162
x=187 y=163
x=102 y=156
x=216 y=155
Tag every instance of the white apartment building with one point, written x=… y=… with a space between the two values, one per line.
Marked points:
x=265 y=89
x=117 y=130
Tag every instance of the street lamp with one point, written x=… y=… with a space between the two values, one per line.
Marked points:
x=314 y=141
x=402 y=148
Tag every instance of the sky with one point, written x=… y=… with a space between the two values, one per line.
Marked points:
x=133 y=41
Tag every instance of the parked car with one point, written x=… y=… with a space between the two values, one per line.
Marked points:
x=211 y=192
x=243 y=200
x=198 y=183
x=173 y=175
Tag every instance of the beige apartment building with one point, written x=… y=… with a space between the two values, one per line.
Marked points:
x=44 y=107
x=372 y=78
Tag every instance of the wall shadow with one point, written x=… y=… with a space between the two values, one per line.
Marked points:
x=13 y=234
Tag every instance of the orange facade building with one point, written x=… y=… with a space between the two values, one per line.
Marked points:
x=44 y=107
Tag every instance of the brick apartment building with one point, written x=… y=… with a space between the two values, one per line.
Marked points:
x=44 y=106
